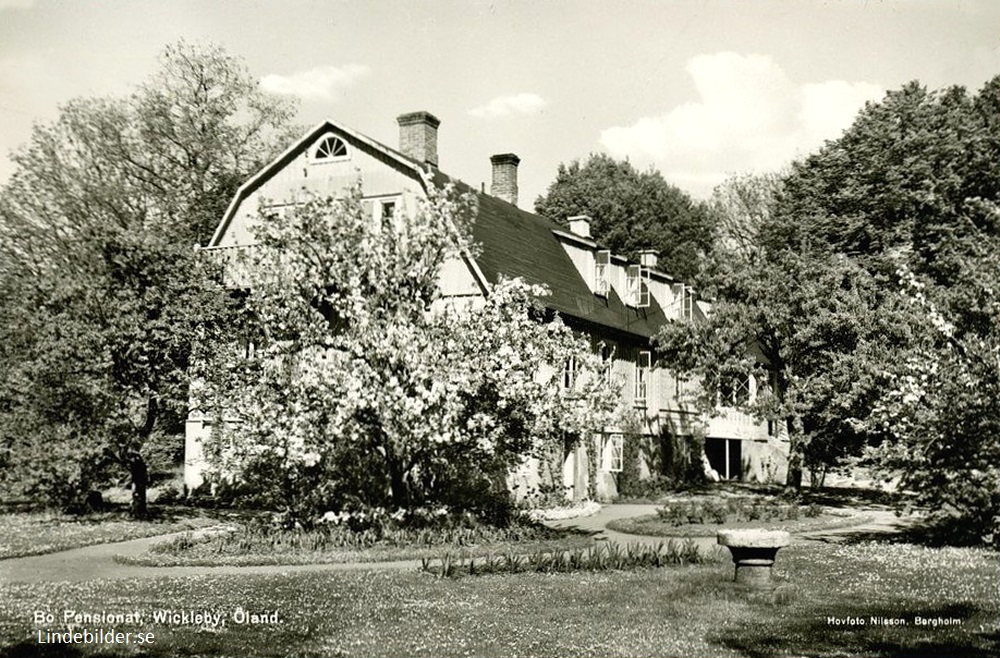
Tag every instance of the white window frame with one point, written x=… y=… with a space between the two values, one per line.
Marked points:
x=637 y=286
x=602 y=272
x=569 y=374
x=643 y=376
x=316 y=158
x=687 y=302
x=607 y=353
x=374 y=208
x=613 y=454
x=387 y=202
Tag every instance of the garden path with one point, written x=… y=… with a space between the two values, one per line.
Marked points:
x=97 y=562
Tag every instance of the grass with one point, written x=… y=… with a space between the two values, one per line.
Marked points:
x=654 y=526
x=692 y=610
x=38 y=532
x=253 y=544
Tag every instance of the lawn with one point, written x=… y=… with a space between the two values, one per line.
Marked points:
x=675 y=611
x=34 y=533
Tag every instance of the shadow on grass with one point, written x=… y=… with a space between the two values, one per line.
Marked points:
x=34 y=650
x=921 y=532
x=811 y=633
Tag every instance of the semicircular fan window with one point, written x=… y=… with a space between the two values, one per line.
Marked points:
x=331 y=147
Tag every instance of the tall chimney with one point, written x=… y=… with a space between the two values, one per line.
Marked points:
x=504 y=185
x=418 y=136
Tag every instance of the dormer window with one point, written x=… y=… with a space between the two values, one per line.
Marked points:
x=637 y=286
x=687 y=302
x=330 y=148
x=602 y=272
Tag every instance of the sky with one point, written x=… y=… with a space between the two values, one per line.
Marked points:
x=699 y=90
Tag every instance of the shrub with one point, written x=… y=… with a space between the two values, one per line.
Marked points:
x=717 y=512
x=695 y=513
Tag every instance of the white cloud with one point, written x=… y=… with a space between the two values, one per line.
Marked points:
x=506 y=105
x=16 y=4
x=320 y=83
x=749 y=116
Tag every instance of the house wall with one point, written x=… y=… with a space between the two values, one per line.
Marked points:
x=304 y=176
x=669 y=405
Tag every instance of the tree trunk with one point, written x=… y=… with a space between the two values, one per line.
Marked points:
x=794 y=478
x=140 y=482
x=397 y=484
x=137 y=465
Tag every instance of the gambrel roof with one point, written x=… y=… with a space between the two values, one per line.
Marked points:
x=513 y=243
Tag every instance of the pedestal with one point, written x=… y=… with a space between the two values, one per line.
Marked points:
x=754 y=552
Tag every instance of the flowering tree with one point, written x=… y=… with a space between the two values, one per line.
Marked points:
x=353 y=391
x=940 y=422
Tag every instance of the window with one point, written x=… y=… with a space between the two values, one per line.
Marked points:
x=607 y=362
x=388 y=210
x=736 y=390
x=637 y=286
x=602 y=272
x=330 y=148
x=614 y=453
x=569 y=373
x=687 y=302
x=381 y=210
x=643 y=368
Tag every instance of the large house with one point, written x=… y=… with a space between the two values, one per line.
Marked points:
x=619 y=304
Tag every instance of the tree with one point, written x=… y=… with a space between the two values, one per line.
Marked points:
x=631 y=211
x=741 y=206
x=364 y=389
x=911 y=192
x=108 y=300
x=811 y=327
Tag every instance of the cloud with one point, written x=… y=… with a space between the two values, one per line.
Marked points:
x=16 y=4
x=320 y=83
x=749 y=116
x=506 y=105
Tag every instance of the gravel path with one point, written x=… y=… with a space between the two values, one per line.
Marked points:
x=97 y=562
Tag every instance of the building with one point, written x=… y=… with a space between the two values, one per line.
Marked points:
x=617 y=303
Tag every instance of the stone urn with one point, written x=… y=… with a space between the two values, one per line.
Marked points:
x=753 y=552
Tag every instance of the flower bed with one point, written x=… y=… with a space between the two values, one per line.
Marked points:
x=654 y=525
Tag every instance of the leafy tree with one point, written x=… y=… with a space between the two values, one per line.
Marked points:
x=940 y=421
x=365 y=388
x=910 y=192
x=811 y=327
x=108 y=301
x=741 y=206
x=631 y=211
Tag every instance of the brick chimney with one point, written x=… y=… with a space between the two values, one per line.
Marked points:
x=418 y=136
x=504 y=185
x=648 y=258
x=579 y=225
